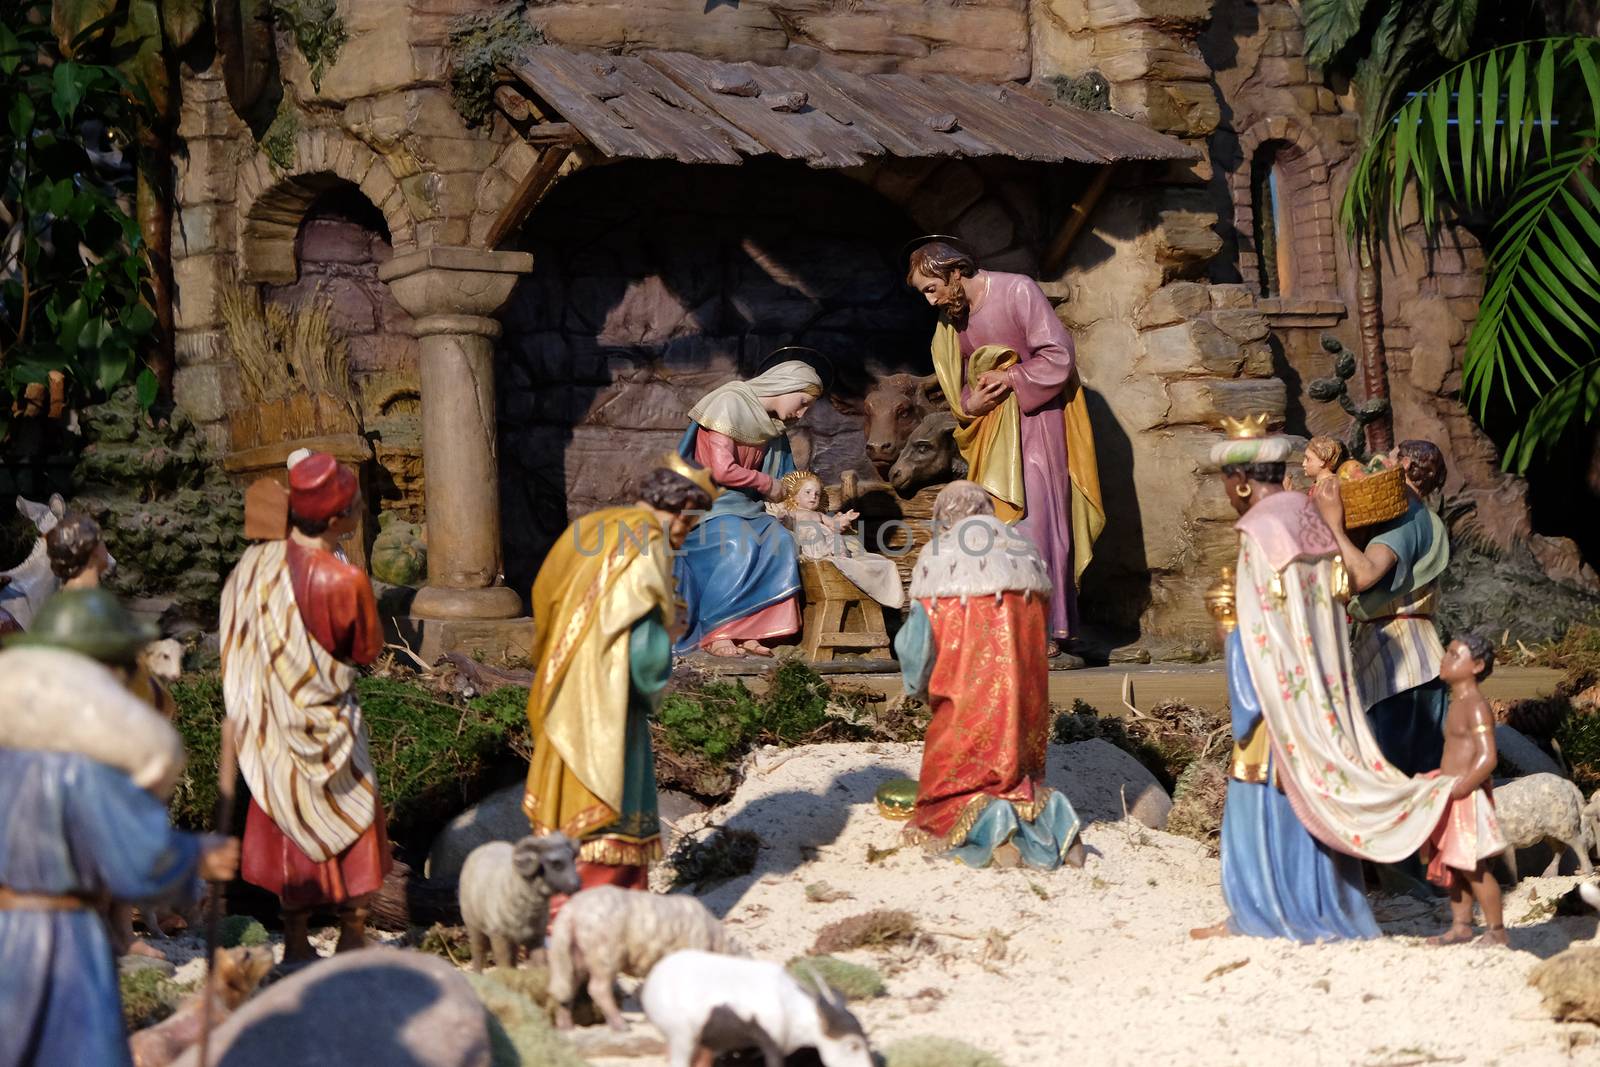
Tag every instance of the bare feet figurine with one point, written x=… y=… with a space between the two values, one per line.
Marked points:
x=756 y=648
x=1204 y=933
x=1456 y=935
x=724 y=648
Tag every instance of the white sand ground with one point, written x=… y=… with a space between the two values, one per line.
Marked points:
x=1095 y=966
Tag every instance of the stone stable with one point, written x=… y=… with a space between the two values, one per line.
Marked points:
x=651 y=281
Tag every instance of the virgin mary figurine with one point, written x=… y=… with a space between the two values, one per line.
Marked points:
x=739 y=573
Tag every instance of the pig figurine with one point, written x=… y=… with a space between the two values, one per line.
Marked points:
x=705 y=1004
x=1540 y=808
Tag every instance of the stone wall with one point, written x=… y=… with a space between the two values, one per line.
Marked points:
x=342 y=242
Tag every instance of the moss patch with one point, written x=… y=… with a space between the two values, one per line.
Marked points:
x=433 y=756
x=318 y=31
x=936 y=1052
x=480 y=46
x=520 y=1032
x=237 y=930
x=853 y=980
x=148 y=996
x=168 y=512
x=277 y=142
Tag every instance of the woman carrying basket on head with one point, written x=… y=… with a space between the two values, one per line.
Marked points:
x=1394 y=568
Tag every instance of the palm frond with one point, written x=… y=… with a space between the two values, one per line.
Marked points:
x=1329 y=25
x=1452 y=26
x=1511 y=134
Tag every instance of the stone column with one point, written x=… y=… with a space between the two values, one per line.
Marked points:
x=452 y=293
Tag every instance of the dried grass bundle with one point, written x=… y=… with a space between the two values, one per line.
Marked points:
x=281 y=350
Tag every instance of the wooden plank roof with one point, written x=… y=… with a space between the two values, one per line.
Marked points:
x=672 y=105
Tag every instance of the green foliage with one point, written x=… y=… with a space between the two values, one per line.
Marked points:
x=1579 y=738
x=520 y=1032
x=278 y=140
x=721 y=855
x=318 y=31
x=168 y=512
x=936 y=1052
x=237 y=930
x=432 y=757
x=480 y=46
x=722 y=719
x=852 y=980
x=1510 y=134
x=72 y=261
x=148 y=996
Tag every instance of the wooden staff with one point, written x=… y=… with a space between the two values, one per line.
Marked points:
x=227 y=779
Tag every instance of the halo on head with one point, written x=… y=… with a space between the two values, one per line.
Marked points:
x=801 y=354
x=696 y=474
x=1249 y=442
x=932 y=238
x=792 y=482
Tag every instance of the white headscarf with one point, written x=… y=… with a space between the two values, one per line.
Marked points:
x=735 y=408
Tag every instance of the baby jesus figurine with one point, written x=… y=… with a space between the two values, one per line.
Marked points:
x=1468 y=837
x=820 y=536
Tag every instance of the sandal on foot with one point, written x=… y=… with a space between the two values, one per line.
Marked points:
x=726 y=649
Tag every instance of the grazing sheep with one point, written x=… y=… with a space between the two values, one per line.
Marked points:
x=705 y=1004
x=608 y=931
x=1540 y=808
x=505 y=893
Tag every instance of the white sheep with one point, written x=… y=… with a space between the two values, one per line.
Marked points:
x=1541 y=808
x=608 y=931
x=705 y=1004
x=505 y=893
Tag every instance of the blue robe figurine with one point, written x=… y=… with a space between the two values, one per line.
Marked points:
x=1278 y=880
x=71 y=827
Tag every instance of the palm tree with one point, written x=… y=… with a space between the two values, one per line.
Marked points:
x=1510 y=135
x=1386 y=44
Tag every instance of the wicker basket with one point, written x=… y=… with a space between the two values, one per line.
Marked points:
x=1376 y=498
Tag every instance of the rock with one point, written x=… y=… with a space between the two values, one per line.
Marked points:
x=1570 y=984
x=380 y=1005
x=1097 y=777
x=497 y=817
x=1524 y=755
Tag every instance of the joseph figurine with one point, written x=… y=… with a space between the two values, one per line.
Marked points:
x=1006 y=366
x=296 y=622
x=603 y=609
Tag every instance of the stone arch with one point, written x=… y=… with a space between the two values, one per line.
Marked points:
x=273 y=202
x=1304 y=176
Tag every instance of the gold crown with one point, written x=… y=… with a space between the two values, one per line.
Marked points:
x=1251 y=426
x=698 y=475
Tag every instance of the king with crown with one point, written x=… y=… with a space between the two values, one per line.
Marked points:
x=604 y=609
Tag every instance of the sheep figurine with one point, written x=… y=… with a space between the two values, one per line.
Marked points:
x=705 y=1004
x=505 y=893
x=1539 y=808
x=608 y=931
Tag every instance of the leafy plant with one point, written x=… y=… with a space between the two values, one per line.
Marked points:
x=1511 y=134
x=71 y=256
x=318 y=31
x=481 y=45
x=1386 y=45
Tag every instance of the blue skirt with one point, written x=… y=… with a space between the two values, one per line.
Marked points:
x=1279 y=881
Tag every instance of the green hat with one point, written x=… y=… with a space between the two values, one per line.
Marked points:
x=92 y=622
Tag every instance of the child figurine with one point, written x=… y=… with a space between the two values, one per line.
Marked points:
x=822 y=536
x=1468 y=836
x=1324 y=456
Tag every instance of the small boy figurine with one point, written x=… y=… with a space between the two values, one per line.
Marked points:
x=1468 y=837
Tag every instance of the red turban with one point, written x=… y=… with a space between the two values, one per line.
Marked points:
x=319 y=488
